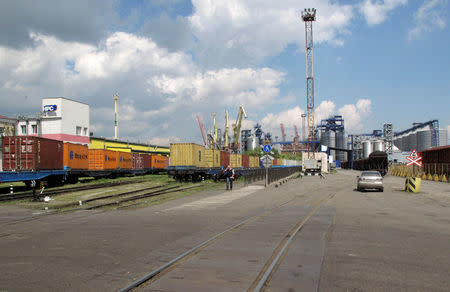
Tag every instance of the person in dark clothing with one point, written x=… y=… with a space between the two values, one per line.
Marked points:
x=229 y=174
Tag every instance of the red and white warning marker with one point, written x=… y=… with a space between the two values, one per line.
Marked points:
x=414 y=158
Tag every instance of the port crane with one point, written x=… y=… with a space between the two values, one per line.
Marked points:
x=237 y=128
x=283 y=133
x=225 y=134
x=202 y=130
x=297 y=137
x=213 y=133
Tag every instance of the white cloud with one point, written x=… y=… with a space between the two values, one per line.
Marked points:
x=160 y=91
x=271 y=122
x=428 y=17
x=245 y=32
x=376 y=11
x=354 y=115
x=325 y=110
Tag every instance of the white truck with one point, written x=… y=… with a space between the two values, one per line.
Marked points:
x=312 y=166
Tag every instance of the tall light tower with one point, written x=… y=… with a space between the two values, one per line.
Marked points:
x=308 y=16
x=116 y=116
x=303 y=127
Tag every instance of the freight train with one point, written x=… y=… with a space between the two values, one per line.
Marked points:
x=27 y=158
x=190 y=161
x=377 y=160
x=436 y=161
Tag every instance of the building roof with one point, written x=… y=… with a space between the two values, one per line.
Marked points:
x=437 y=148
x=6 y=118
x=66 y=99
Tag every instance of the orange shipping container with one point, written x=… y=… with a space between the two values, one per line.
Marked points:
x=160 y=162
x=100 y=159
x=125 y=160
x=75 y=156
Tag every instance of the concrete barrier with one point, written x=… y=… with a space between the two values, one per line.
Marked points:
x=413 y=184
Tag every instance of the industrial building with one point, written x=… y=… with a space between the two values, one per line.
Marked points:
x=61 y=119
x=332 y=134
x=421 y=136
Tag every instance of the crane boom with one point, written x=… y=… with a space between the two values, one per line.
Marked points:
x=283 y=133
x=202 y=130
x=225 y=134
x=296 y=131
x=237 y=127
x=215 y=128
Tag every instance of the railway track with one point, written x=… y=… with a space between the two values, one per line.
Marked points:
x=117 y=200
x=263 y=278
x=26 y=195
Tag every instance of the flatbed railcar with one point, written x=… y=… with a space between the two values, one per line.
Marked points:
x=32 y=158
x=193 y=162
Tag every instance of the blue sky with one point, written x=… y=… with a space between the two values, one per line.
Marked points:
x=375 y=61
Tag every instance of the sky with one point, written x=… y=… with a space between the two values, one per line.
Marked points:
x=375 y=62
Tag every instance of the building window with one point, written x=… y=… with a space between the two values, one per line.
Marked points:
x=34 y=129
x=85 y=132
x=24 y=129
x=78 y=132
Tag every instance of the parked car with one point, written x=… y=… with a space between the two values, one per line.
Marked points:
x=370 y=180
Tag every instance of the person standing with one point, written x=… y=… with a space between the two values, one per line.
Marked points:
x=229 y=174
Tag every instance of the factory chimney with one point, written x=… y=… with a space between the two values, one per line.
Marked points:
x=116 y=116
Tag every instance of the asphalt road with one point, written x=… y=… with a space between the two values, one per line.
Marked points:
x=353 y=241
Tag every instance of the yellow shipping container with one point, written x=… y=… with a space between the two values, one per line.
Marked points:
x=254 y=161
x=236 y=160
x=212 y=157
x=187 y=154
x=122 y=146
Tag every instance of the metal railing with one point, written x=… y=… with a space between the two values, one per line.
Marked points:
x=273 y=174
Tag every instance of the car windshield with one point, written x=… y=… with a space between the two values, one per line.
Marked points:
x=370 y=173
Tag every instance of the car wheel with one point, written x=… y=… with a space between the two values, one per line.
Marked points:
x=381 y=190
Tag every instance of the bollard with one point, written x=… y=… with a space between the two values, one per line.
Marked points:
x=413 y=184
x=11 y=189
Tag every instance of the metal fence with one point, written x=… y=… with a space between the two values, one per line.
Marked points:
x=273 y=174
x=280 y=173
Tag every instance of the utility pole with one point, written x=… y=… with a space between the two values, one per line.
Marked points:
x=116 y=116
x=308 y=16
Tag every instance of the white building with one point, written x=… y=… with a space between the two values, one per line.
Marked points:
x=28 y=126
x=61 y=119
x=65 y=120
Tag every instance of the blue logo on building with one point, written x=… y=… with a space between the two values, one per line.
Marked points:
x=120 y=158
x=50 y=108
x=71 y=155
x=106 y=158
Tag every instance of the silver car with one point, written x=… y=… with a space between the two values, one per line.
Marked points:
x=370 y=180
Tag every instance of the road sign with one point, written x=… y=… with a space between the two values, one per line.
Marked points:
x=267 y=161
x=267 y=148
x=414 y=158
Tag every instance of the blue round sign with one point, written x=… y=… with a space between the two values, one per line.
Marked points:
x=267 y=148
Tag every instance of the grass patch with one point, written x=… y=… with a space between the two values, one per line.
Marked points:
x=156 y=200
x=63 y=199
